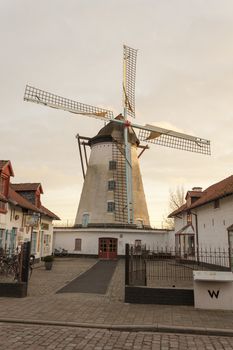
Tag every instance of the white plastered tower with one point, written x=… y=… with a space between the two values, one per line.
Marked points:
x=103 y=199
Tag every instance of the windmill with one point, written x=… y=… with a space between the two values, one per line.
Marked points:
x=122 y=147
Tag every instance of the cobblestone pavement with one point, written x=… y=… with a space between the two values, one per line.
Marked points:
x=33 y=337
x=44 y=304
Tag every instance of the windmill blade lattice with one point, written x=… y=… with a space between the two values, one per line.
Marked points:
x=129 y=78
x=174 y=139
x=45 y=98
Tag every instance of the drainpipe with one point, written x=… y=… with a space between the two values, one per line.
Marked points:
x=197 y=238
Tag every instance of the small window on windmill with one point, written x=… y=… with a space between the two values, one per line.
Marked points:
x=85 y=220
x=111 y=206
x=112 y=165
x=111 y=185
x=139 y=223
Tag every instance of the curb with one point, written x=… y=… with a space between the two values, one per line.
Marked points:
x=129 y=328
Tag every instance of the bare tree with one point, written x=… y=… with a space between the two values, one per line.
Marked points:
x=176 y=200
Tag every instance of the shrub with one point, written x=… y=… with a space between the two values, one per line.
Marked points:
x=48 y=258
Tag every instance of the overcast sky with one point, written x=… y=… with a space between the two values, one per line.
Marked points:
x=73 y=48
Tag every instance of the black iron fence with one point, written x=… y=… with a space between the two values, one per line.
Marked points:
x=171 y=268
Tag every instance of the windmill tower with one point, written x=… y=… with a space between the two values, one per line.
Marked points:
x=104 y=196
x=113 y=191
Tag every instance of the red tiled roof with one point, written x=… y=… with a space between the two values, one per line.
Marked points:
x=178 y=210
x=26 y=187
x=3 y=198
x=219 y=190
x=16 y=199
x=49 y=213
x=4 y=163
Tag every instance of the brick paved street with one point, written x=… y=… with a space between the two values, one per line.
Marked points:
x=44 y=304
x=33 y=337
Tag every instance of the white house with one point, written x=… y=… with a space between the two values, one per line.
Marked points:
x=206 y=218
x=22 y=216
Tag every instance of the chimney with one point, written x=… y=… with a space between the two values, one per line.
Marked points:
x=197 y=189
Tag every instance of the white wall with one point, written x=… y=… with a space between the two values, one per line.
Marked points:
x=65 y=238
x=213 y=223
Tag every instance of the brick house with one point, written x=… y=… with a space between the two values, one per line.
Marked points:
x=206 y=218
x=22 y=216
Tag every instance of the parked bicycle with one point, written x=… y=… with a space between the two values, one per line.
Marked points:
x=9 y=266
x=60 y=252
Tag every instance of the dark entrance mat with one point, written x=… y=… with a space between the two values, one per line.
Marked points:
x=95 y=280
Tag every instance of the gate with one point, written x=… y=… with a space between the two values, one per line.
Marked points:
x=168 y=268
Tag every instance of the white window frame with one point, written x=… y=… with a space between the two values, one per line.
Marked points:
x=85 y=219
x=111 y=206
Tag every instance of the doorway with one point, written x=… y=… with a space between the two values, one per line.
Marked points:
x=107 y=248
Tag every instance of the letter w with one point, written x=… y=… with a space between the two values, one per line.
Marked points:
x=213 y=293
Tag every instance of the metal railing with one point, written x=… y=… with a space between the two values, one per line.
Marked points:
x=171 y=267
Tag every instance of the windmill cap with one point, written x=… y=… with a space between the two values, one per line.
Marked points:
x=114 y=132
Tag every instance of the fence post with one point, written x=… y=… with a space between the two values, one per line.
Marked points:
x=25 y=261
x=127 y=264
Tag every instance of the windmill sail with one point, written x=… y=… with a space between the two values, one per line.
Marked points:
x=45 y=98
x=129 y=77
x=173 y=139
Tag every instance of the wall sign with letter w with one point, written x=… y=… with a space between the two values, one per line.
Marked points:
x=213 y=294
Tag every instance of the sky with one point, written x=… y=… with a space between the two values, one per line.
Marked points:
x=73 y=48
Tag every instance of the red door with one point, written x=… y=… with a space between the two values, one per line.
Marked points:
x=107 y=248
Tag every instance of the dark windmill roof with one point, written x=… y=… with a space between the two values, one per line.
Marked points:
x=114 y=132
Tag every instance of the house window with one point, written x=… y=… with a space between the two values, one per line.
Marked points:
x=1 y=238
x=111 y=206
x=216 y=204
x=2 y=206
x=112 y=165
x=44 y=226
x=33 y=243
x=138 y=245
x=138 y=242
x=212 y=222
x=189 y=218
x=47 y=239
x=78 y=244
x=111 y=185
x=85 y=220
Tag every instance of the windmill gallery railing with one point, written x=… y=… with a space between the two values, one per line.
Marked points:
x=168 y=267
